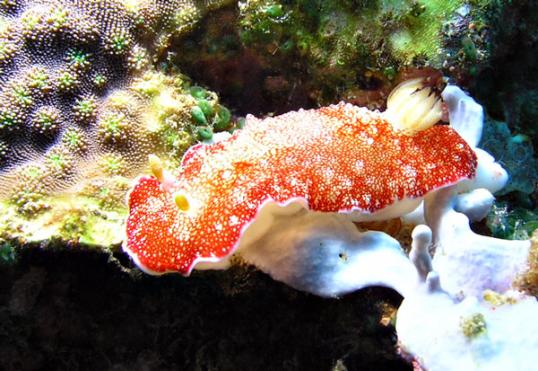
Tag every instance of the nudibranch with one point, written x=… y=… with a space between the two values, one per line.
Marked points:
x=338 y=159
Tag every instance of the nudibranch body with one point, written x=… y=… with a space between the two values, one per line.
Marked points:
x=340 y=158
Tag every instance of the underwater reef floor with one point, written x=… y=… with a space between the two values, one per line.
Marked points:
x=79 y=310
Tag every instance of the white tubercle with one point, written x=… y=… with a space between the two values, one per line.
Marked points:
x=419 y=254
x=218 y=137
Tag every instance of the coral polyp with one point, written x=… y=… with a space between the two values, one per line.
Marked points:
x=47 y=120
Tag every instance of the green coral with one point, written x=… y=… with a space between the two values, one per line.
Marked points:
x=113 y=164
x=39 y=80
x=74 y=140
x=67 y=81
x=78 y=60
x=60 y=162
x=11 y=117
x=151 y=115
x=85 y=109
x=28 y=195
x=100 y=81
x=73 y=225
x=110 y=193
x=138 y=59
x=118 y=43
x=8 y=45
x=41 y=24
x=113 y=127
x=84 y=101
x=21 y=96
x=47 y=120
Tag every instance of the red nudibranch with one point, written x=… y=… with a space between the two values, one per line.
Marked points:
x=338 y=159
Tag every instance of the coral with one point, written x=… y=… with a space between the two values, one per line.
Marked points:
x=466 y=332
x=73 y=225
x=47 y=120
x=76 y=109
x=74 y=140
x=114 y=128
x=29 y=193
x=471 y=280
x=85 y=109
x=312 y=53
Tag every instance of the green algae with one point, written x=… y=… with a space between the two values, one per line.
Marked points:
x=473 y=326
x=340 y=33
x=8 y=254
x=75 y=219
x=514 y=224
x=316 y=52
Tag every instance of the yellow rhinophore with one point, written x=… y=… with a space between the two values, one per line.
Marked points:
x=181 y=201
x=156 y=167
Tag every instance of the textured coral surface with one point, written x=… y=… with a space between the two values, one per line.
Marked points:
x=82 y=106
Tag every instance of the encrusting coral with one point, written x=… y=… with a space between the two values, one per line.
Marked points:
x=82 y=105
